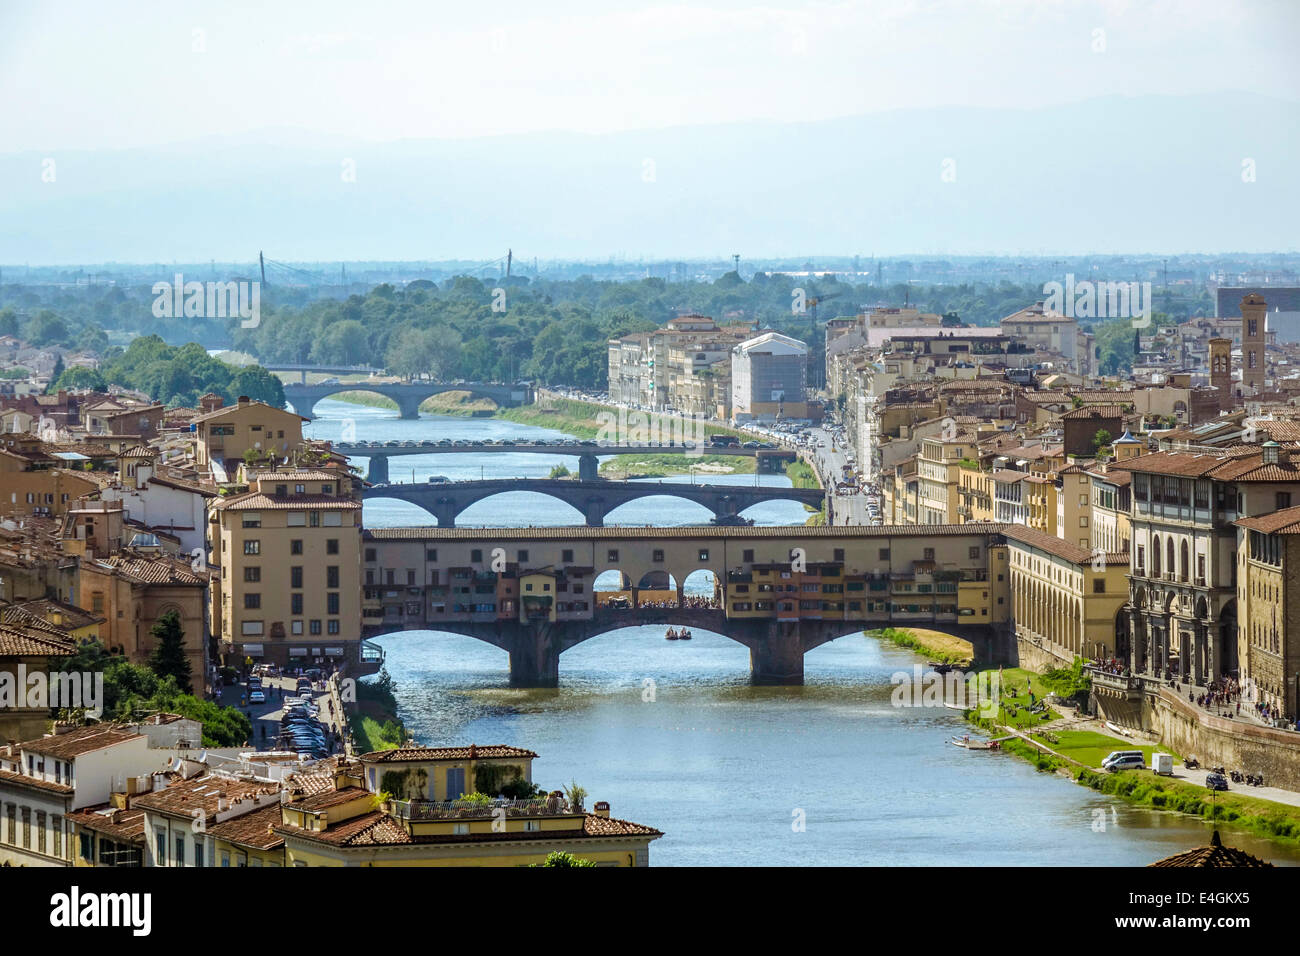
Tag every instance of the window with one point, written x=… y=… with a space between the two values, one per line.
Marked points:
x=1283 y=500
x=180 y=849
x=704 y=554
x=567 y=555
x=476 y=555
x=747 y=556
x=295 y=604
x=658 y=556
x=252 y=519
x=252 y=601
x=252 y=573
x=370 y=555
x=523 y=555
x=295 y=546
x=975 y=552
x=332 y=602
x=884 y=554
x=332 y=576
x=297 y=519
x=430 y=554
x=332 y=546
x=252 y=546
x=295 y=576
x=315 y=627
x=334 y=627
x=198 y=852
x=1098 y=586
x=613 y=554
x=160 y=848
x=839 y=554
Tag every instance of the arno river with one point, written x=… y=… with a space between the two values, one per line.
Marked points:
x=723 y=768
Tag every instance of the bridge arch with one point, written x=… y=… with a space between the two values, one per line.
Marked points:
x=320 y=393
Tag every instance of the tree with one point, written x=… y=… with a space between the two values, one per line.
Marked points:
x=1101 y=439
x=575 y=795
x=57 y=373
x=8 y=322
x=79 y=376
x=564 y=858
x=169 y=658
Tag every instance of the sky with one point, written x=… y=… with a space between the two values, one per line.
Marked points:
x=110 y=76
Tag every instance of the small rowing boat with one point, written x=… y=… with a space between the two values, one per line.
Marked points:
x=967 y=743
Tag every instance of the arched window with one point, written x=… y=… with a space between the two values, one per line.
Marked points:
x=1155 y=556
x=1170 y=569
x=1184 y=565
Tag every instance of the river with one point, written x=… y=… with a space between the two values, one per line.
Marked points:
x=672 y=734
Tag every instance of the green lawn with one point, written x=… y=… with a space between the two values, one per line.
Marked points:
x=1014 y=712
x=1089 y=747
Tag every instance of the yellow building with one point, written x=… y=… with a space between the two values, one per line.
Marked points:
x=1268 y=600
x=289 y=558
x=224 y=436
x=974 y=493
x=30 y=488
x=938 y=464
x=350 y=826
x=1066 y=600
x=1040 y=502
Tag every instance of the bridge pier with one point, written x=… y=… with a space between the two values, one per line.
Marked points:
x=408 y=406
x=588 y=467
x=776 y=657
x=445 y=511
x=534 y=654
x=593 y=511
x=377 y=473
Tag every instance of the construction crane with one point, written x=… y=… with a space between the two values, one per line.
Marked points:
x=816 y=356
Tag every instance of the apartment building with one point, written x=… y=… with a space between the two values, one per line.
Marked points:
x=769 y=376
x=288 y=553
x=1268 y=596
x=225 y=435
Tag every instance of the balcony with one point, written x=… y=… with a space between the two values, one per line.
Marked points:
x=418 y=810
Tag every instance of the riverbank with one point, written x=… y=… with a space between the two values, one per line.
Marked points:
x=662 y=466
x=1073 y=748
x=373 y=719
x=935 y=645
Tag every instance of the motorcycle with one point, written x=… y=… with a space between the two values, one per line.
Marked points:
x=1191 y=763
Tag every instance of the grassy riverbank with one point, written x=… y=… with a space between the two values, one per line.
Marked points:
x=373 y=718
x=935 y=645
x=661 y=466
x=1077 y=754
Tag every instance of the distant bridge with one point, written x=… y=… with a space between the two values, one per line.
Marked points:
x=586 y=452
x=408 y=397
x=595 y=499
x=305 y=370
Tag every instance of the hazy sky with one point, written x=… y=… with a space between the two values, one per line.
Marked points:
x=93 y=75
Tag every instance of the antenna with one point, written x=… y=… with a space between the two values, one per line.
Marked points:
x=261 y=261
x=510 y=256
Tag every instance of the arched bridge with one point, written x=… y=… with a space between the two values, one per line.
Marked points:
x=407 y=396
x=587 y=452
x=595 y=499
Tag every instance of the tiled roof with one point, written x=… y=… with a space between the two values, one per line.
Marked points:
x=296 y=475
x=1060 y=547
x=408 y=754
x=154 y=569
x=1245 y=464
x=1215 y=856
x=82 y=740
x=208 y=794
x=124 y=826
x=251 y=829
x=328 y=798
x=43 y=609
x=258 y=501
x=33 y=639
x=433 y=533
x=8 y=776
x=379 y=829
x=1286 y=521
x=1094 y=411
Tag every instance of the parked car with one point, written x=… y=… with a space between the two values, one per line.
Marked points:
x=1117 y=754
x=256 y=697
x=1216 y=781
x=1127 y=763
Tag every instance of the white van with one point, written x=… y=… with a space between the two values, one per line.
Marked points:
x=1116 y=755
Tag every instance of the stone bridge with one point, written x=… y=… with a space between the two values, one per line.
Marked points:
x=776 y=648
x=770 y=460
x=595 y=499
x=407 y=396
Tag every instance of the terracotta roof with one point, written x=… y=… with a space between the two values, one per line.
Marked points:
x=154 y=569
x=82 y=740
x=21 y=779
x=259 y=501
x=1094 y=411
x=43 y=609
x=125 y=826
x=408 y=754
x=1233 y=465
x=379 y=829
x=1050 y=543
x=1286 y=521
x=252 y=830
x=1216 y=855
x=209 y=794
x=34 y=640
x=325 y=799
x=1006 y=475
x=296 y=475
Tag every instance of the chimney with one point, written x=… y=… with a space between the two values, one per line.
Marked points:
x=602 y=809
x=243 y=399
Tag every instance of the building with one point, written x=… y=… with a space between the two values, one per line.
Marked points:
x=769 y=375
x=225 y=436
x=1268 y=598
x=28 y=487
x=1254 y=342
x=288 y=552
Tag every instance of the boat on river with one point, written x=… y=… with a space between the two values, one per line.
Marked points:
x=682 y=635
x=969 y=744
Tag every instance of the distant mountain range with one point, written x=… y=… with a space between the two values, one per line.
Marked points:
x=1106 y=175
